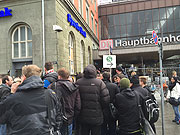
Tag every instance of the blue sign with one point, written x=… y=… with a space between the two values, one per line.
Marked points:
x=5 y=12
x=75 y=25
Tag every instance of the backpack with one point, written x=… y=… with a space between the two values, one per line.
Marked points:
x=152 y=109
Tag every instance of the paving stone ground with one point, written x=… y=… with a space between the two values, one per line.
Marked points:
x=170 y=127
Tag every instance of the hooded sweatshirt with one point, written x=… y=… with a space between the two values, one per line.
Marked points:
x=128 y=112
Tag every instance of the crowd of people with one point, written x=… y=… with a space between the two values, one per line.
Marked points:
x=53 y=104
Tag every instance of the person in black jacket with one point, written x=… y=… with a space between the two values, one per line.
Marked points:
x=69 y=92
x=109 y=124
x=5 y=90
x=25 y=111
x=50 y=76
x=128 y=111
x=94 y=97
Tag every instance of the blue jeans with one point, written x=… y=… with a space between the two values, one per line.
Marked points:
x=176 y=112
x=2 y=129
x=66 y=130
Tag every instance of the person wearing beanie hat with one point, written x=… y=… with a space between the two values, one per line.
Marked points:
x=128 y=114
x=125 y=83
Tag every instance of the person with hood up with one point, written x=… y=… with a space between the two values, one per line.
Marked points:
x=25 y=111
x=50 y=76
x=94 y=97
x=69 y=92
x=128 y=110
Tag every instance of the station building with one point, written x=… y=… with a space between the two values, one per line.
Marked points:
x=70 y=33
x=129 y=23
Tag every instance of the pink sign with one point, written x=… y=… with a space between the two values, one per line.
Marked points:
x=104 y=44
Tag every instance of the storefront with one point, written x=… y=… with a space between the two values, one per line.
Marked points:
x=21 y=36
x=130 y=25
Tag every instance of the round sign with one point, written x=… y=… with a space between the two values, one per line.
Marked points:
x=155 y=37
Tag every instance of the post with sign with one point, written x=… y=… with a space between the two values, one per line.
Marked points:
x=160 y=45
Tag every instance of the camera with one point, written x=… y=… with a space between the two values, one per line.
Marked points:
x=57 y=28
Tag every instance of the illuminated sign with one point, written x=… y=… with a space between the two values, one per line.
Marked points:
x=104 y=44
x=75 y=25
x=5 y=12
x=145 y=41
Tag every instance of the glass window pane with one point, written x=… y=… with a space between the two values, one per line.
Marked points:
x=122 y=19
x=129 y=30
x=110 y=20
x=142 y=29
x=170 y=13
x=135 y=29
x=29 y=34
x=117 y=31
x=141 y=16
x=155 y=14
x=148 y=15
x=16 y=35
x=177 y=26
x=134 y=17
x=30 y=49
x=116 y=20
x=16 y=50
x=111 y=32
x=162 y=13
x=177 y=12
x=170 y=26
x=22 y=32
x=163 y=24
x=123 y=31
x=129 y=18
x=23 y=50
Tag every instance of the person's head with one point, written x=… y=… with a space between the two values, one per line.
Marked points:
x=133 y=73
x=106 y=76
x=30 y=70
x=174 y=73
x=124 y=83
x=142 y=81
x=119 y=70
x=63 y=74
x=99 y=76
x=48 y=66
x=173 y=79
x=79 y=76
x=7 y=80
x=134 y=80
x=90 y=71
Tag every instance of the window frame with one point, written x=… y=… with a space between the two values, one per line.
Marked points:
x=71 y=53
x=26 y=41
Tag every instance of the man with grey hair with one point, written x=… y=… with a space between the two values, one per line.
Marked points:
x=25 y=111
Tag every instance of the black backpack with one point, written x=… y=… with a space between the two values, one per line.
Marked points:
x=151 y=108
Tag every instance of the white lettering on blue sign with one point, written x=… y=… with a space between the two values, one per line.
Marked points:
x=75 y=25
x=5 y=12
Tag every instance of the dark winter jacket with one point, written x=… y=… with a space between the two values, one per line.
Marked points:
x=143 y=94
x=4 y=91
x=113 y=90
x=128 y=111
x=94 y=97
x=25 y=111
x=51 y=77
x=71 y=98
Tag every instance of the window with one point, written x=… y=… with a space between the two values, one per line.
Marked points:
x=22 y=42
x=82 y=56
x=71 y=54
x=80 y=7
x=92 y=21
x=87 y=14
x=89 y=55
x=96 y=27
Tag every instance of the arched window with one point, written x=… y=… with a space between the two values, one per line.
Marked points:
x=71 y=54
x=82 y=52
x=22 y=42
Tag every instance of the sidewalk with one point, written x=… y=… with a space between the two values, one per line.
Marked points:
x=170 y=127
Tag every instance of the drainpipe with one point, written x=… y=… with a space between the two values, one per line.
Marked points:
x=43 y=36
